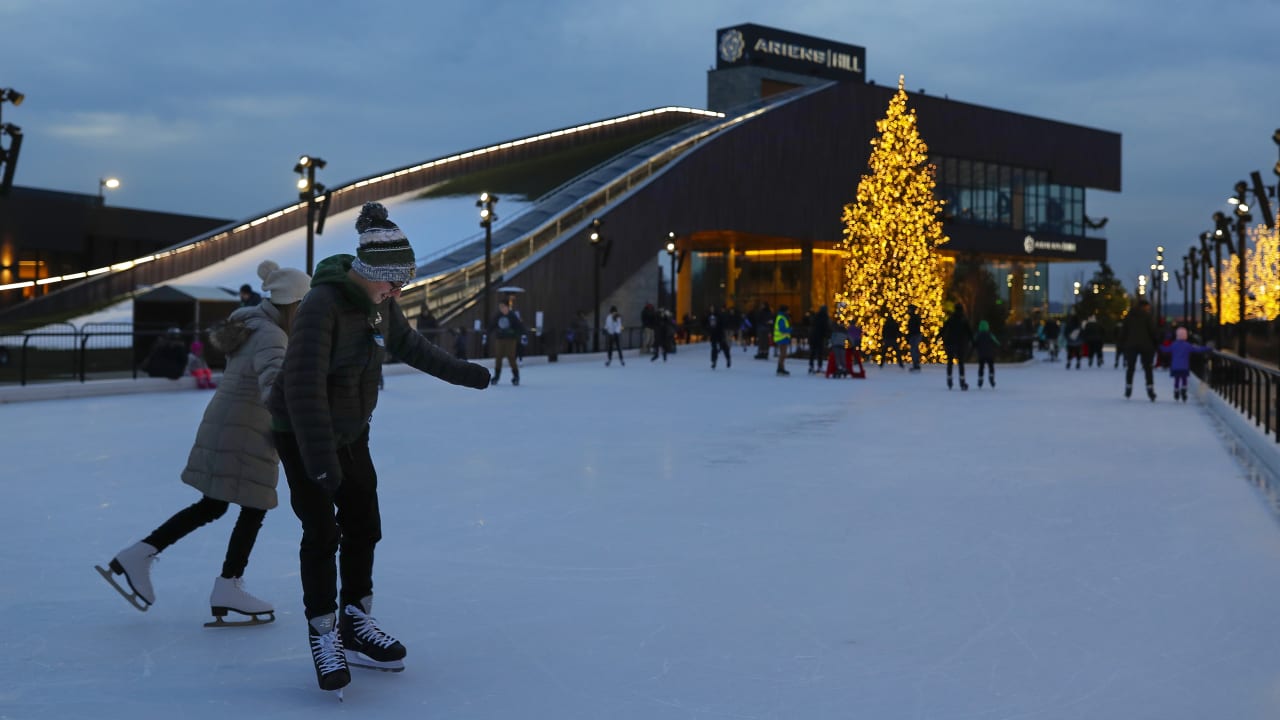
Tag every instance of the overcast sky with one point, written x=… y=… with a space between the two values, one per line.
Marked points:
x=203 y=108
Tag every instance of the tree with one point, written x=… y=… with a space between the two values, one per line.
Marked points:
x=1262 y=280
x=891 y=235
x=974 y=287
x=1104 y=296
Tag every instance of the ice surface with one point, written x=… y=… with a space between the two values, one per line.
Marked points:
x=663 y=540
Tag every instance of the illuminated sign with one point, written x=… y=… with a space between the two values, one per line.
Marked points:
x=768 y=47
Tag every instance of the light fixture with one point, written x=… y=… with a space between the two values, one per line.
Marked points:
x=107 y=183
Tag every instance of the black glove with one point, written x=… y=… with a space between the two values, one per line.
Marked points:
x=475 y=376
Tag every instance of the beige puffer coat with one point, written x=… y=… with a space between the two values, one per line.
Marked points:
x=234 y=458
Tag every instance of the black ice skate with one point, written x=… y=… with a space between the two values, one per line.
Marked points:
x=229 y=596
x=1128 y=390
x=365 y=643
x=327 y=654
x=134 y=563
x=963 y=385
x=1151 y=393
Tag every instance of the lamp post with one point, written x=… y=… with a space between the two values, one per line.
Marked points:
x=9 y=156
x=598 y=248
x=106 y=184
x=487 y=217
x=1205 y=264
x=671 y=253
x=308 y=191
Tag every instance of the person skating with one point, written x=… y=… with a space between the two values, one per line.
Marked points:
x=613 y=336
x=321 y=409
x=506 y=329
x=819 y=335
x=915 y=335
x=956 y=338
x=1138 y=338
x=232 y=459
x=1180 y=352
x=782 y=337
x=714 y=326
x=985 y=343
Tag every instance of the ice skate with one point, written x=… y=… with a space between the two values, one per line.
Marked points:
x=327 y=654
x=948 y=382
x=991 y=380
x=229 y=596
x=365 y=643
x=1151 y=393
x=134 y=563
x=1128 y=391
x=963 y=385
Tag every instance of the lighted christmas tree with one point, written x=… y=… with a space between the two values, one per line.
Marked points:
x=1262 y=279
x=891 y=236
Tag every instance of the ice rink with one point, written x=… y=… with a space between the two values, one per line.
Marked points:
x=662 y=541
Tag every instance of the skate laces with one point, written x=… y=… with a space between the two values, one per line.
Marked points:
x=327 y=649
x=367 y=628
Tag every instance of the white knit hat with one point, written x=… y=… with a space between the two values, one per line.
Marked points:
x=285 y=285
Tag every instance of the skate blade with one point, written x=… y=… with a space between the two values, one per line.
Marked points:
x=338 y=692
x=129 y=595
x=250 y=620
x=360 y=660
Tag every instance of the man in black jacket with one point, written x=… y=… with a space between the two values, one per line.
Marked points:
x=1138 y=338
x=321 y=406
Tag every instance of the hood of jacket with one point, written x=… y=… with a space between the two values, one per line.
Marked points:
x=333 y=270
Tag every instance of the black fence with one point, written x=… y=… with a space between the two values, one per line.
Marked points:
x=1250 y=387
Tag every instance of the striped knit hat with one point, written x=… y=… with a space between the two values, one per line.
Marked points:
x=384 y=252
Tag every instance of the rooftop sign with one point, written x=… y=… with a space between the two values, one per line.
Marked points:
x=768 y=47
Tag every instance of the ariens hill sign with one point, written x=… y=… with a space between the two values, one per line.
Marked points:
x=768 y=47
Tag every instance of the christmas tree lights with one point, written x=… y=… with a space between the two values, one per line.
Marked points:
x=1262 y=279
x=892 y=233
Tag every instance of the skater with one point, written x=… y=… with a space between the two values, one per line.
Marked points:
x=1092 y=333
x=613 y=336
x=1051 y=331
x=782 y=338
x=1138 y=337
x=1075 y=339
x=232 y=460
x=714 y=326
x=890 y=334
x=915 y=336
x=1180 y=362
x=168 y=356
x=321 y=407
x=985 y=343
x=649 y=325
x=819 y=334
x=956 y=338
x=664 y=334
x=198 y=368
x=506 y=330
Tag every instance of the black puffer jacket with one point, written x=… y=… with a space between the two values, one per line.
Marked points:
x=329 y=386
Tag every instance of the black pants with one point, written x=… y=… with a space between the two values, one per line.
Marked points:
x=958 y=359
x=613 y=341
x=1095 y=351
x=720 y=345
x=990 y=366
x=356 y=526
x=1131 y=358
x=243 y=535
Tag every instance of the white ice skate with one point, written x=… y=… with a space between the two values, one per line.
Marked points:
x=134 y=563
x=229 y=596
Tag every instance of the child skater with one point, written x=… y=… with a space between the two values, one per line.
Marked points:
x=1180 y=362
x=986 y=343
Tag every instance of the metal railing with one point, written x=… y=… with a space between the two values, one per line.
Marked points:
x=1250 y=387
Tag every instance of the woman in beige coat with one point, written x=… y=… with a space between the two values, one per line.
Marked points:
x=234 y=459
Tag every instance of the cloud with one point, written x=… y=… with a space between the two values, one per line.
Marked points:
x=123 y=131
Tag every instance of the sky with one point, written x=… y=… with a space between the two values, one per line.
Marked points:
x=777 y=548
x=203 y=108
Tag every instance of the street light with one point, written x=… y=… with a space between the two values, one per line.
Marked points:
x=308 y=191
x=107 y=184
x=599 y=256
x=9 y=156
x=487 y=218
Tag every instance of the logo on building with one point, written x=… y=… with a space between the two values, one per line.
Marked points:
x=1031 y=244
x=731 y=45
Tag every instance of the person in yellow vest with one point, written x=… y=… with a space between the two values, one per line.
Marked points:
x=782 y=338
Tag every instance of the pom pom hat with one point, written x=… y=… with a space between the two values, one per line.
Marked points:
x=384 y=252
x=285 y=285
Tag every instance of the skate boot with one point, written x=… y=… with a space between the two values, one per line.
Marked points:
x=1151 y=393
x=365 y=643
x=964 y=385
x=332 y=672
x=948 y=382
x=515 y=380
x=229 y=595
x=134 y=563
x=991 y=380
x=1128 y=390
x=496 y=377
x=979 y=382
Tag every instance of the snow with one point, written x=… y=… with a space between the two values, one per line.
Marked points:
x=663 y=540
